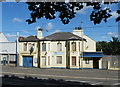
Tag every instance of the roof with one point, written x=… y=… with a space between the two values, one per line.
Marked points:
x=3 y=38
x=28 y=39
x=61 y=36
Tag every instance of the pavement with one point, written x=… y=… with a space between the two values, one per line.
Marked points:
x=91 y=77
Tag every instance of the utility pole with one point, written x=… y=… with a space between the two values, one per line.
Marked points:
x=82 y=48
x=17 y=49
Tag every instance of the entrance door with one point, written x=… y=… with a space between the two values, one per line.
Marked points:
x=4 y=60
x=27 y=61
x=73 y=61
x=95 y=63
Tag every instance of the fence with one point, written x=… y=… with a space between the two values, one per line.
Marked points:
x=111 y=62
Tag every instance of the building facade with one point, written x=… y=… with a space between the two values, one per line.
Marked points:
x=7 y=51
x=59 y=50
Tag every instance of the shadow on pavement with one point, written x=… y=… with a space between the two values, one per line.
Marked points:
x=14 y=81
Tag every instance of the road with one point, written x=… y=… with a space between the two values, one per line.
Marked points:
x=91 y=76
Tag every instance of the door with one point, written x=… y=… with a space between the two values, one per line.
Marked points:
x=27 y=61
x=95 y=63
x=4 y=60
x=74 y=61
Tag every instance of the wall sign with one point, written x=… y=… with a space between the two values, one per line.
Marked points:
x=59 y=53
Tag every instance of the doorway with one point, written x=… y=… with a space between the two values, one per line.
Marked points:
x=95 y=63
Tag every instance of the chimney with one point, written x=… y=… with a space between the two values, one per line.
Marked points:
x=39 y=35
x=78 y=31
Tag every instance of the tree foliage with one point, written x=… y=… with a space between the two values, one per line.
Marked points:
x=67 y=11
x=109 y=48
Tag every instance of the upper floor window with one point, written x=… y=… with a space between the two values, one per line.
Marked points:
x=30 y=46
x=48 y=46
x=25 y=46
x=43 y=46
x=59 y=47
x=73 y=46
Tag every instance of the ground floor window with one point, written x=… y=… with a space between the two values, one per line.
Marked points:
x=48 y=60
x=87 y=61
x=12 y=59
x=74 y=61
x=59 y=59
x=43 y=60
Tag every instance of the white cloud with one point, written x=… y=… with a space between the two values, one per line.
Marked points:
x=114 y=14
x=56 y=31
x=113 y=34
x=37 y=27
x=84 y=9
x=49 y=26
x=17 y=20
x=25 y=31
x=10 y=35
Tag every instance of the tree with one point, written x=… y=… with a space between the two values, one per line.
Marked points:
x=67 y=11
x=109 y=48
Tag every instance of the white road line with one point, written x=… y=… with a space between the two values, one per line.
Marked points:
x=116 y=84
x=77 y=81
x=43 y=75
x=97 y=83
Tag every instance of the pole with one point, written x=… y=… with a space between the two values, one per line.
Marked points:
x=17 y=49
x=82 y=47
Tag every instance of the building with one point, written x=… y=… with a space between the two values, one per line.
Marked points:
x=60 y=50
x=7 y=51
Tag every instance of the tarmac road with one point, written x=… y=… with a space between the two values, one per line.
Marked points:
x=90 y=76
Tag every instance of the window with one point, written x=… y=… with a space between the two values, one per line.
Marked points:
x=48 y=60
x=48 y=46
x=12 y=58
x=87 y=61
x=25 y=46
x=43 y=46
x=43 y=60
x=79 y=46
x=29 y=46
x=73 y=61
x=59 y=59
x=73 y=46
x=59 y=47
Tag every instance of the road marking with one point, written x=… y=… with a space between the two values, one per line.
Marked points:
x=116 y=84
x=43 y=75
x=77 y=81
x=97 y=83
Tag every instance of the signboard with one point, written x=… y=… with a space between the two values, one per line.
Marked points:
x=59 y=53
x=35 y=60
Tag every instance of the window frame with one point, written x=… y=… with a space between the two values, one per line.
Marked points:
x=59 y=46
x=73 y=46
x=43 y=49
x=57 y=60
x=25 y=47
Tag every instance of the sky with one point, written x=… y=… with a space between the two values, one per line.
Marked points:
x=14 y=16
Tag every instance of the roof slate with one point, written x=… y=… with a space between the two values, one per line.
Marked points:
x=62 y=36
x=28 y=39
